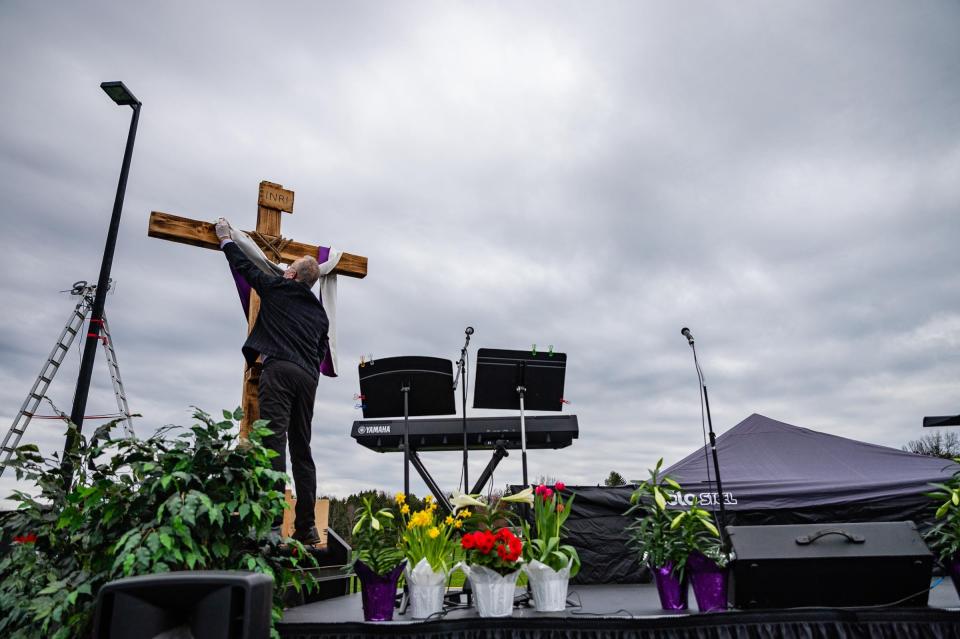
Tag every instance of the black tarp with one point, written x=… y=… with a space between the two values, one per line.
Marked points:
x=773 y=473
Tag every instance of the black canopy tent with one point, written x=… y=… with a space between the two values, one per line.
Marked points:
x=773 y=473
x=777 y=473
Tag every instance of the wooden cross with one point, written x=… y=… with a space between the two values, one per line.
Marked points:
x=273 y=200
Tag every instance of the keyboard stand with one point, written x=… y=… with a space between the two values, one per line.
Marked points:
x=498 y=454
x=442 y=499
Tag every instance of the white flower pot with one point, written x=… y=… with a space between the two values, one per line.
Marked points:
x=492 y=591
x=549 y=586
x=427 y=588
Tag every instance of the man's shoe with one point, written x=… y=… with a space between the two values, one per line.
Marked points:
x=309 y=537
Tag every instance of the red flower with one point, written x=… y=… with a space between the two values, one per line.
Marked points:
x=29 y=538
x=513 y=549
x=560 y=486
x=539 y=489
x=482 y=543
x=485 y=541
x=547 y=493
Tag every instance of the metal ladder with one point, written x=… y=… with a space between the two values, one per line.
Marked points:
x=39 y=389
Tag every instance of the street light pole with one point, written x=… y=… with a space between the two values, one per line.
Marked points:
x=123 y=97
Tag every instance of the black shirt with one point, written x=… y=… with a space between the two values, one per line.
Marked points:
x=291 y=325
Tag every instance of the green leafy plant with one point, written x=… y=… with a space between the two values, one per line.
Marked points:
x=944 y=536
x=550 y=510
x=697 y=533
x=200 y=500
x=375 y=538
x=652 y=534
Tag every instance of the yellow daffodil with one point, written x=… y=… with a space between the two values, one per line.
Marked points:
x=448 y=520
x=458 y=524
x=464 y=514
x=400 y=498
x=434 y=532
x=405 y=509
x=421 y=518
x=428 y=499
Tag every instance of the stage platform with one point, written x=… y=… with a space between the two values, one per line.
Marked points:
x=633 y=611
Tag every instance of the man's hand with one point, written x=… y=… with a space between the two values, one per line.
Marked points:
x=222 y=229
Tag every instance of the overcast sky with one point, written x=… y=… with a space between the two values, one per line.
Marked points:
x=783 y=178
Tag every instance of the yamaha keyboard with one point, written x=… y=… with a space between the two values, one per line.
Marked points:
x=483 y=433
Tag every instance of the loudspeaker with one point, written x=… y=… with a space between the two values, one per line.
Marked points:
x=853 y=564
x=211 y=604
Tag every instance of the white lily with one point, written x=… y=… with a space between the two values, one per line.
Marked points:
x=463 y=500
x=525 y=496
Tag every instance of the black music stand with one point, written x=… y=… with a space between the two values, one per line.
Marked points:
x=406 y=387
x=524 y=380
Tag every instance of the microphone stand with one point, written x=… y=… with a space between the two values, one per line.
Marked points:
x=713 y=438
x=461 y=370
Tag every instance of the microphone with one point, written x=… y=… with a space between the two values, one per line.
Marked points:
x=463 y=355
x=686 y=333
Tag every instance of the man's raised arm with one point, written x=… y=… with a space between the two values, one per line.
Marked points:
x=253 y=275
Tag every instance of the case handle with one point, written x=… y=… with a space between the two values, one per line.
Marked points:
x=805 y=540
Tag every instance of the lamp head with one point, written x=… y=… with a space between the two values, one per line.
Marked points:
x=120 y=94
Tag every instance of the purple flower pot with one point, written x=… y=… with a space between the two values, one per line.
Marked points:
x=709 y=583
x=953 y=567
x=379 y=592
x=672 y=591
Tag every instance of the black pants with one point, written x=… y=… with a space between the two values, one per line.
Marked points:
x=286 y=397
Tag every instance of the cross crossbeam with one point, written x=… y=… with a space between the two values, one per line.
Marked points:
x=166 y=226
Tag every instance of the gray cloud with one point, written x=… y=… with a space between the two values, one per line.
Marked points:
x=782 y=179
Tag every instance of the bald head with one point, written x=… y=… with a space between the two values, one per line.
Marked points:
x=304 y=270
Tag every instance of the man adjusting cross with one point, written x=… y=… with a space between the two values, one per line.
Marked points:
x=289 y=339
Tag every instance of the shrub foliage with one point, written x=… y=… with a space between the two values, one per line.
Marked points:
x=201 y=499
